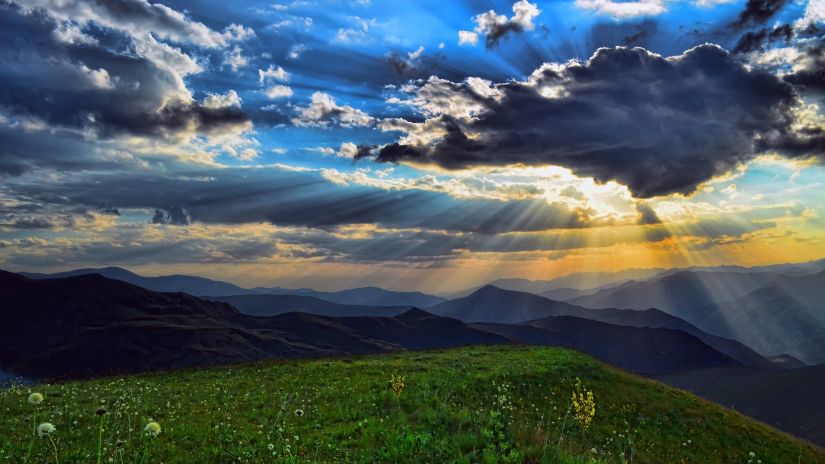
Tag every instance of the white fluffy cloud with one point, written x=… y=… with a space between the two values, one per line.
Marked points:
x=272 y=73
x=324 y=112
x=618 y=9
x=278 y=91
x=495 y=26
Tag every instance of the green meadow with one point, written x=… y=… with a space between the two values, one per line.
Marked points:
x=472 y=405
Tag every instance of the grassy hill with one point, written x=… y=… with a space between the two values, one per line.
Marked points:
x=480 y=404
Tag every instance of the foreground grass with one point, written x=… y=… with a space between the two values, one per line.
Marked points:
x=482 y=404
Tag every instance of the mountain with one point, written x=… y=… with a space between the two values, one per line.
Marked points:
x=365 y=296
x=495 y=305
x=91 y=325
x=579 y=280
x=272 y=305
x=170 y=283
x=677 y=293
x=200 y=286
x=773 y=314
x=785 y=317
x=790 y=400
x=643 y=350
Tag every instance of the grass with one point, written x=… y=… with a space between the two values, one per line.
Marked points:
x=479 y=404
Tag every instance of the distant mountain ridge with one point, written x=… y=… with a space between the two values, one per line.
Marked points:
x=201 y=286
x=273 y=305
x=494 y=305
x=89 y=325
x=773 y=313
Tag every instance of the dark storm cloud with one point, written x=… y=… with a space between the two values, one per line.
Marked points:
x=646 y=214
x=305 y=199
x=810 y=79
x=174 y=215
x=657 y=125
x=97 y=89
x=752 y=41
x=22 y=151
x=498 y=31
x=757 y=12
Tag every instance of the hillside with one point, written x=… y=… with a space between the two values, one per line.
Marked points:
x=468 y=405
x=790 y=400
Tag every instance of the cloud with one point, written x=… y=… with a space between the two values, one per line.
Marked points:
x=174 y=215
x=495 y=27
x=359 y=31
x=467 y=38
x=809 y=62
x=278 y=91
x=138 y=17
x=104 y=93
x=293 y=198
x=324 y=112
x=814 y=14
x=646 y=214
x=623 y=9
x=753 y=41
x=235 y=59
x=657 y=125
x=272 y=73
x=757 y=12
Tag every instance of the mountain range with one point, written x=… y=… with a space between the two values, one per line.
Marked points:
x=733 y=336
x=90 y=325
x=771 y=313
x=201 y=286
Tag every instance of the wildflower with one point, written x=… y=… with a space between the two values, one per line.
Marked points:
x=45 y=429
x=35 y=398
x=752 y=454
x=397 y=385
x=299 y=412
x=152 y=429
x=270 y=447
x=100 y=411
x=584 y=405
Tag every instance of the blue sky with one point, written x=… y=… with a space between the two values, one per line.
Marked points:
x=415 y=145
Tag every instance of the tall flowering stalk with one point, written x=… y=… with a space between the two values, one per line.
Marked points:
x=584 y=405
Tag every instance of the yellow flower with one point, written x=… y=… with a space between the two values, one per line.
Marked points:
x=397 y=385
x=584 y=405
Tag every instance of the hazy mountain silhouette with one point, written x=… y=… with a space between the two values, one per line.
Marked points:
x=200 y=286
x=773 y=314
x=170 y=283
x=91 y=325
x=790 y=400
x=677 y=293
x=364 y=296
x=272 y=305
x=494 y=305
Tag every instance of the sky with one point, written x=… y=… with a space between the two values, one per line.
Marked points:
x=410 y=145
